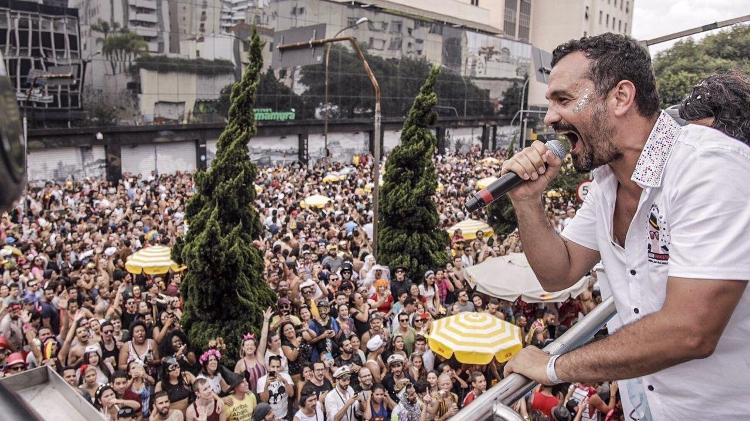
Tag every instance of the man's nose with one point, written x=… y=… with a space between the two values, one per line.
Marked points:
x=552 y=116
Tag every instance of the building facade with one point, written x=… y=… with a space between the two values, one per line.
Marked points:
x=556 y=21
x=42 y=51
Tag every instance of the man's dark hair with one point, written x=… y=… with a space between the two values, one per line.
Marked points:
x=118 y=374
x=726 y=98
x=615 y=58
x=274 y=358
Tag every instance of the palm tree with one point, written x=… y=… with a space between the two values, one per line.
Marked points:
x=122 y=48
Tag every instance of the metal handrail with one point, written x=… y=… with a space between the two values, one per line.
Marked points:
x=512 y=388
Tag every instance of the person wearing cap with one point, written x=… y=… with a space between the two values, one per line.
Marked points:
x=14 y=364
x=264 y=412
x=376 y=329
x=375 y=347
x=326 y=327
x=397 y=377
x=240 y=405
x=284 y=314
x=340 y=402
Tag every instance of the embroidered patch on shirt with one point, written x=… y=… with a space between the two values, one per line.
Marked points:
x=658 y=237
x=656 y=151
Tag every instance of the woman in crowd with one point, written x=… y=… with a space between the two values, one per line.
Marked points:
x=176 y=383
x=252 y=353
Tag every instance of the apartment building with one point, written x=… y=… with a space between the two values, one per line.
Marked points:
x=38 y=40
x=556 y=21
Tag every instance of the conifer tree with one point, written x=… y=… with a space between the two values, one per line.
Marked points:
x=408 y=233
x=225 y=293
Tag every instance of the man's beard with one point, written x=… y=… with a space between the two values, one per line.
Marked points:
x=598 y=149
x=164 y=411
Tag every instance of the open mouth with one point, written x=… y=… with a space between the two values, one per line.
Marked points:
x=572 y=137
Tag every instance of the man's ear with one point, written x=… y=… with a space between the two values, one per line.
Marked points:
x=623 y=97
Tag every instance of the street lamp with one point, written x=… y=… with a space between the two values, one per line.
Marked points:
x=326 y=108
x=378 y=117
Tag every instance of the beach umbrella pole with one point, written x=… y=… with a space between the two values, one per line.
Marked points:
x=495 y=401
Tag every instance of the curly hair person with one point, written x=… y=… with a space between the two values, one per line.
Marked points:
x=721 y=101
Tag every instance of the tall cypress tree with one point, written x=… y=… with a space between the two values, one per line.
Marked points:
x=408 y=234
x=225 y=293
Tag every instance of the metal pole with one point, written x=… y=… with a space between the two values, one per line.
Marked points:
x=515 y=386
x=696 y=30
x=325 y=102
x=378 y=117
x=326 y=108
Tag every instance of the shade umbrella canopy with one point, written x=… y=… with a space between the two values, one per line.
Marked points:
x=485 y=182
x=155 y=260
x=469 y=229
x=490 y=161
x=258 y=189
x=475 y=338
x=333 y=178
x=510 y=277
x=315 y=201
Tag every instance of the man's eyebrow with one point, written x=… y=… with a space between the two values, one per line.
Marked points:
x=557 y=94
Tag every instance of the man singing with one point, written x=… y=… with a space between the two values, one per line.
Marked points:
x=667 y=215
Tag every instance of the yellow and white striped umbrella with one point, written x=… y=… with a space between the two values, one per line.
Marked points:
x=258 y=189
x=475 y=338
x=331 y=178
x=470 y=227
x=154 y=260
x=485 y=182
x=315 y=201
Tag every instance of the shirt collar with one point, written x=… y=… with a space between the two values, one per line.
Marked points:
x=650 y=166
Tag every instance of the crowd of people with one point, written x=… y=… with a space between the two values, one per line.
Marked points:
x=347 y=339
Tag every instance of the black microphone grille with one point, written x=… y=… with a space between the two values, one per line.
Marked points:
x=558 y=148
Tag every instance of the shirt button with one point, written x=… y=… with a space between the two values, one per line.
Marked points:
x=650 y=388
x=636 y=311
x=632 y=272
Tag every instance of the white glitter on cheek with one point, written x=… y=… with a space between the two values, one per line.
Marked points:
x=583 y=101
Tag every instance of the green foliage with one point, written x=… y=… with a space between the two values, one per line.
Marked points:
x=225 y=293
x=502 y=217
x=679 y=68
x=121 y=48
x=399 y=80
x=272 y=94
x=512 y=99
x=408 y=232
x=198 y=66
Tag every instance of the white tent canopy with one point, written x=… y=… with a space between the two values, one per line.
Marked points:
x=510 y=277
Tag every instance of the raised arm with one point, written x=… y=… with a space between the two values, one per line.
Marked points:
x=557 y=262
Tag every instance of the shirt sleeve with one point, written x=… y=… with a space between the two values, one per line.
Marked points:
x=709 y=217
x=260 y=385
x=582 y=228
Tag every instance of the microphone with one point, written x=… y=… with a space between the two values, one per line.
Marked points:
x=507 y=182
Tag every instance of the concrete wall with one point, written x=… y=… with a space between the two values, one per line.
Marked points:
x=176 y=88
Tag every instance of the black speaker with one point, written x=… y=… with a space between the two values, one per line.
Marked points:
x=12 y=159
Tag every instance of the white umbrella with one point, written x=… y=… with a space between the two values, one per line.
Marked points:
x=509 y=277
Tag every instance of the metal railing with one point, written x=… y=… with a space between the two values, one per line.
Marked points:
x=495 y=402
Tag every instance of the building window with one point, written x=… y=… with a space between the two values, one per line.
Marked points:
x=395 y=44
x=396 y=26
x=377 y=44
x=475 y=2
x=586 y=15
x=601 y=17
x=509 y=24
x=627 y=7
x=619 y=25
x=615 y=4
x=607 y=25
x=626 y=27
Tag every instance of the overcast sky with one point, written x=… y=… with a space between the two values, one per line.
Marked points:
x=653 y=18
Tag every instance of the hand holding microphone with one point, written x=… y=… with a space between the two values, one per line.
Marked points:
x=530 y=170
